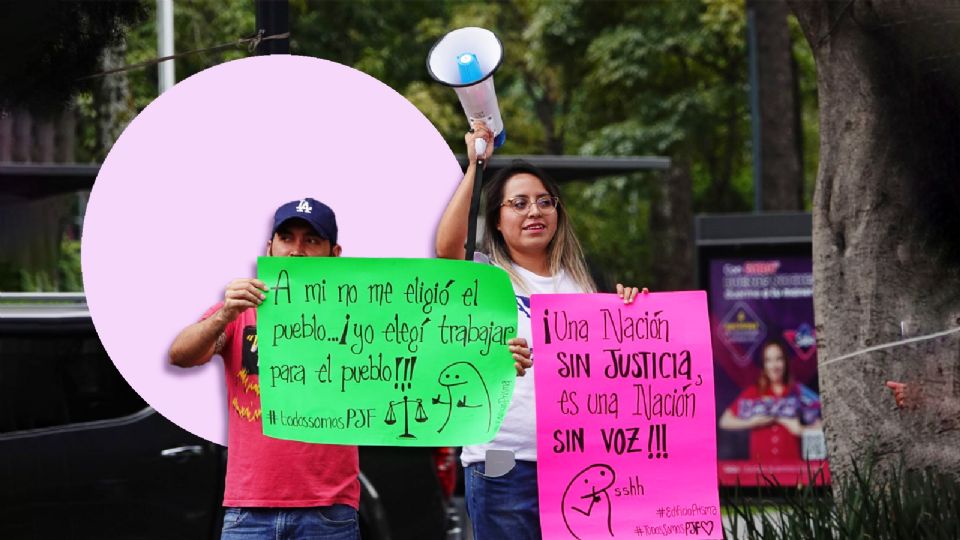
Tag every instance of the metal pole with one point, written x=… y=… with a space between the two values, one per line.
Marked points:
x=474 y=210
x=273 y=17
x=166 y=75
x=755 y=110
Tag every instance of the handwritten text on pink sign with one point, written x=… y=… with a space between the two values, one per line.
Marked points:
x=626 y=439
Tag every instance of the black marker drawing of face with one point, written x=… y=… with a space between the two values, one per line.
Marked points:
x=585 y=506
x=465 y=390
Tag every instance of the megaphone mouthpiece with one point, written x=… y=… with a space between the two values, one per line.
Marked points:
x=465 y=60
x=469 y=66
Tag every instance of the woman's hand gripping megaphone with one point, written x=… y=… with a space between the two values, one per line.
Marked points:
x=479 y=142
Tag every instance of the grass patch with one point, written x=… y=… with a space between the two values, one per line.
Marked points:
x=872 y=502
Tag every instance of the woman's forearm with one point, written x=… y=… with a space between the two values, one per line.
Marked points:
x=452 y=229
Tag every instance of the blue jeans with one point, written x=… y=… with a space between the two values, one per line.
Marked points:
x=337 y=522
x=506 y=506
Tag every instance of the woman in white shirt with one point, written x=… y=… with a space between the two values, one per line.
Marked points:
x=528 y=234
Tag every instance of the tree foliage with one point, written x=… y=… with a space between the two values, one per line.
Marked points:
x=197 y=26
x=579 y=77
x=56 y=45
x=616 y=78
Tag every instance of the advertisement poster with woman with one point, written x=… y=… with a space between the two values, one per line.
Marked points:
x=764 y=346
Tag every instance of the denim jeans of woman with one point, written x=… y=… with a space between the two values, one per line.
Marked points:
x=503 y=507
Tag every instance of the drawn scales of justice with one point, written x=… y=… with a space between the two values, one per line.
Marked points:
x=463 y=376
x=420 y=415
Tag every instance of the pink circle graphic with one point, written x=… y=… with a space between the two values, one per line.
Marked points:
x=184 y=202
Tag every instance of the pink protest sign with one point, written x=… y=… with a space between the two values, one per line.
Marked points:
x=626 y=435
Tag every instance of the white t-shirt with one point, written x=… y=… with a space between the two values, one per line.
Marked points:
x=518 y=432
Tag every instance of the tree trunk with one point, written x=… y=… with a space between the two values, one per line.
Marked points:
x=781 y=172
x=6 y=136
x=44 y=138
x=671 y=224
x=886 y=226
x=112 y=100
x=66 y=137
x=22 y=136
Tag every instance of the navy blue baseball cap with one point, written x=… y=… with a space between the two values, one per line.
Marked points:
x=314 y=212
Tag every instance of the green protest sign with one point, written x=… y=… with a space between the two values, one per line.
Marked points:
x=407 y=352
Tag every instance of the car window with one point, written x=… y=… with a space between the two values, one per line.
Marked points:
x=49 y=379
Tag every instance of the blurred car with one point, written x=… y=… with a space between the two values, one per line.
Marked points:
x=83 y=456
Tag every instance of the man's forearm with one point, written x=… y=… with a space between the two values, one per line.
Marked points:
x=196 y=344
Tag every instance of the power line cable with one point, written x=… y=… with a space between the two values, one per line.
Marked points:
x=890 y=345
x=251 y=42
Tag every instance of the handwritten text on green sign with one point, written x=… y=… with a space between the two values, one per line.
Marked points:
x=405 y=352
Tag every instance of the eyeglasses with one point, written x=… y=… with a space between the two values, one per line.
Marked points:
x=521 y=205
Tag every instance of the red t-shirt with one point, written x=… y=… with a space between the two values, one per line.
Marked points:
x=773 y=442
x=267 y=472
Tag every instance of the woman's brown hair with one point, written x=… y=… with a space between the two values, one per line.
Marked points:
x=563 y=251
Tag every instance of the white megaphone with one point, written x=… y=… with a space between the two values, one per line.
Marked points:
x=465 y=60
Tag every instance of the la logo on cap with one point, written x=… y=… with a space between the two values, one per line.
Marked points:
x=304 y=207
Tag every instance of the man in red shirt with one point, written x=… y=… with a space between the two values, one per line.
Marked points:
x=274 y=488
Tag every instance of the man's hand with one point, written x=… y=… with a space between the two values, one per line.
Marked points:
x=198 y=342
x=241 y=295
x=521 y=355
